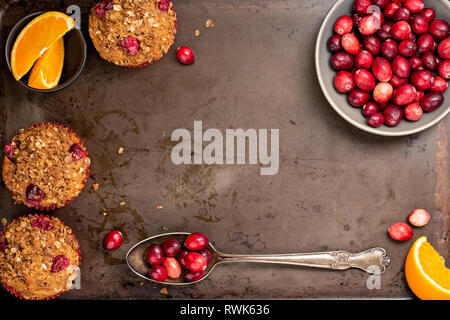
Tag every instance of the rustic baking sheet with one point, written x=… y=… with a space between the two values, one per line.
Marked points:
x=337 y=188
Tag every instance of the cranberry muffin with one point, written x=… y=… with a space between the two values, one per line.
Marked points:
x=45 y=166
x=39 y=257
x=132 y=33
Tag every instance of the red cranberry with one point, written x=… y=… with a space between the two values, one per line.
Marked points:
x=401 y=30
x=342 y=61
x=429 y=14
x=444 y=69
x=34 y=195
x=376 y=120
x=358 y=97
x=343 y=82
x=207 y=255
x=403 y=95
x=42 y=223
x=401 y=14
x=389 y=49
x=431 y=101
x=385 y=31
x=413 y=111
x=362 y=6
x=421 y=79
x=158 y=273
x=369 y=24
x=171 y=247
x=383 y=92
x=407 y=48
x=185 y=55
x=356 y=18
x=155 y=254
x=444 y=49
x=414 y=6
x=196 y=241
x=381 y=3
x=172 y=266
x=9 y=150
x=425 y=43
x=364 y=80
x=419 y=95
x=350 y=43
x=392 y=115
x=363 y=59
x=419 y=217
x=77 y=152
x=398 y=82
x=102 y=7
x=195 y=262
x=334 y=43
x=372 y=44
x=415 y=63
x=181 y=258
x=429 y=60
x=59 y=263
x=390 y=10
x=400 y=231
x=163 y=5
x=438 y=85
x=370 y=108
x=112 y=240
x=381 y=69
x=419 y=24
x=130 y=45
x=343 y=25
x=401 y=67
x=439 y=29
x=193 y=276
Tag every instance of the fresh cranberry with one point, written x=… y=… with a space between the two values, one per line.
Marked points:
x=195 y=262
x=429 y=14
x=34 y=195
x=370 y=108
x=112 y=240
x=363 y=59
x=421 y=79
x=419 y=95
x=207 y=255
x=400 y=231
x=172 y=266
x=376 y=120
x=385 y=31
x=397 y=82
x=181 y=257
x=392 y=115
x=77 y=152
x=389 y=49
x=425 y=43
x=444 y=49
x=42 y=223
x=155 y=254
x=407 y=48
x=401 y=30
x=381 y=69
x=401 y=14
x=369 y=24
x=419 y=24
x=193 y=276
x=444 y=69
x=358 y=97
x=59 y=263
x=414 y=6
x=413 y=111
x=356 y=18
x=429 y=60
x=372 y=44
x=9 y=151
x=334 y=43
x=163 y=5
x=390 y=10
x=158 y=273
x=401 y=67
x=404 y=95
x=438 y=85
x=431 y=101
x=364 y=80
x=439 y=29
x=415 y=62
x=350 y=43
x=343 y=25
x=419 y=217
x=185 y=55
x=171 y=247
x=342 y=61
x=381 y=3
x=343 y=82
x=130 y=45
x=196 y=241
x=362 y=6
x=382 y=92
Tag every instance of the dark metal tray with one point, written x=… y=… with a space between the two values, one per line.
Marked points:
x=338 y=187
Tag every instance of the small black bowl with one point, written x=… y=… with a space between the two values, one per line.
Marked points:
x=74 y=56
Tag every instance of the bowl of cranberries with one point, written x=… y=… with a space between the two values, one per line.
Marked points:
x=384 y=65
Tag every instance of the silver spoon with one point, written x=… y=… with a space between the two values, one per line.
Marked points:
x=373 y=260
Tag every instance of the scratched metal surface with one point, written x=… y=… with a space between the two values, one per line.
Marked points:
x=338 y=187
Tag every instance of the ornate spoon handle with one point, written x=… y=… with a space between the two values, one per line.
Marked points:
x=373 y=260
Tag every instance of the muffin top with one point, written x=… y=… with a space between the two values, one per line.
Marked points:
x=132 y=32
x=39 y=257
x=45 y=166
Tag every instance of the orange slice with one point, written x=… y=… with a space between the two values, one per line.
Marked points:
x=37 y=36
x=48 y=68
x=426 y=273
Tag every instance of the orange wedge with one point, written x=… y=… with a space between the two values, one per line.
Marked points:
x=47 y=70
x=426 y=273
x=37 y=36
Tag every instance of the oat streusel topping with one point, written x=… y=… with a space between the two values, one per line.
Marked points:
x=45 y=166
x=27 y=259
x=151 y=22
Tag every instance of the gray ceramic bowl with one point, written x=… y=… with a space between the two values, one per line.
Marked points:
x=339 y=102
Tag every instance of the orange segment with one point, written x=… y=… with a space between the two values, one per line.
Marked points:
x=37 y=36
x=48 y=68
x=426 y=273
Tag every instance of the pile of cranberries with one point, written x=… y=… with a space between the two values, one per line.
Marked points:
x=168 y=259
x=392 y=58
